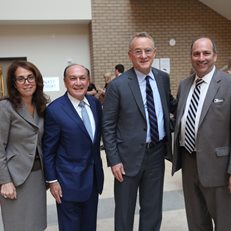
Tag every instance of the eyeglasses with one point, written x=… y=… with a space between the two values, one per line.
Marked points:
x=22 y=80
x=139 y=52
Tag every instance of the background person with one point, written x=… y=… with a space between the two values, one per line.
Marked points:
x=91 y=90
x=202 y=143
x=136 y=159
x=73 y=167
x=101 y=91
x=229 y=71
x=23 y=191
x=119 y=69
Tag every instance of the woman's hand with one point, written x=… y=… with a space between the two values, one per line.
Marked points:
x=8 y=191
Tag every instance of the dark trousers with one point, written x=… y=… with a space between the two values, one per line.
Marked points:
x=205 y=206
x=149 y=182
x=78 y=216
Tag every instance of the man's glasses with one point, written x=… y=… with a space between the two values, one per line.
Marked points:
x=22 y=80
x=139 y=52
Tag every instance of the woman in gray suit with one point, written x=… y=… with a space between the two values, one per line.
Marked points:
x=23 y=190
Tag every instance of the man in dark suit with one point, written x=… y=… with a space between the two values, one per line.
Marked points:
x=137 y=162
x=72 y=162
x=202 y=146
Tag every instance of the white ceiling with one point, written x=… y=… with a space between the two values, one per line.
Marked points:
x=222 y=7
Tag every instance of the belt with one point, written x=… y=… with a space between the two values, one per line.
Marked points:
x=152 y=145
x=149 y=145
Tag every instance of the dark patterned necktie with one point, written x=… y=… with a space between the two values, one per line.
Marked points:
x=190 y=136
x=151 y=112
x=86 y=119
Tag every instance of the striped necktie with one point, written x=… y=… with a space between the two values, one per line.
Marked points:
x=190 y=136
x=86 y=119
x=151 y=112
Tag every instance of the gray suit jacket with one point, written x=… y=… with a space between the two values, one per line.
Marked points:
x=214 y=132
x=20 y=135
x=124 y=121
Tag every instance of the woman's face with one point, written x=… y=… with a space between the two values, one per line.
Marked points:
x=25 y=82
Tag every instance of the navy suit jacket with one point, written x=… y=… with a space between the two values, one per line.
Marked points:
x=69 y=154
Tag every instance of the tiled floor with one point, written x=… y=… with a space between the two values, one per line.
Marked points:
x=173 y=207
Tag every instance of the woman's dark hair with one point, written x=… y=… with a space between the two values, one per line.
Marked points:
x=39 y=98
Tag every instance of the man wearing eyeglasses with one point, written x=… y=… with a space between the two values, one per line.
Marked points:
x=137 y=137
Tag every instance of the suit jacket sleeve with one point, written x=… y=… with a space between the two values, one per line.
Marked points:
x=51 y=139
x=4 y=134
x=110 y=117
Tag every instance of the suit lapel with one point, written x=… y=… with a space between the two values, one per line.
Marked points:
x=23 y=112
x=161 y=90
x=212 y=90
x=134 y=86
x=185 y=88
x=69 y=109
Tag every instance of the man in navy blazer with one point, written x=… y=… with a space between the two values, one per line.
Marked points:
x=72 y=162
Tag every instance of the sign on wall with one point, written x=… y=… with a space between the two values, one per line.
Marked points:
x=162 y=64
x=51 y=84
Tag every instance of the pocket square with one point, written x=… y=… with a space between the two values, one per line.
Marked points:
x=218 y=100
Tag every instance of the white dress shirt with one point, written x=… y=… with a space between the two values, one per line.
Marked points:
x=157 y=102
x=204 y=88
x=75 y=102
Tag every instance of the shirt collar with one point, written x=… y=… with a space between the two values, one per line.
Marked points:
x=76 y=102
x=141 y=76
x=207 y=78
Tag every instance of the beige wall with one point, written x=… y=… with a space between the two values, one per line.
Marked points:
x=50 y=33
x=45 y=10
x=50 y=47
x=113 y=23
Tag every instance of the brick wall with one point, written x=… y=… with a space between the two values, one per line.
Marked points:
x=114 y=22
